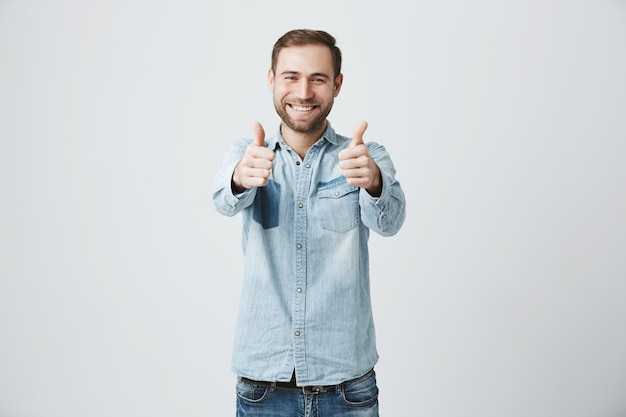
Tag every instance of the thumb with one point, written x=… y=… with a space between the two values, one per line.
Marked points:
x=259 y=134
x=358 y=134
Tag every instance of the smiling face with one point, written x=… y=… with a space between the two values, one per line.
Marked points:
x=304 y=88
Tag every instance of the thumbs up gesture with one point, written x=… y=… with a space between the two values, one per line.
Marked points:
x=358 y=166
x=254 y=168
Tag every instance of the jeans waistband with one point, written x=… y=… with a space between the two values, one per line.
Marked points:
x=292 y=386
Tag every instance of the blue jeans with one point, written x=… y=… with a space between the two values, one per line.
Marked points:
x=357 y=398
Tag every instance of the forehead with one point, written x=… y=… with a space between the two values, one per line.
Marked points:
x=305 y=59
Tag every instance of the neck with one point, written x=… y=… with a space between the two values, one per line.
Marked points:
x=300 y=142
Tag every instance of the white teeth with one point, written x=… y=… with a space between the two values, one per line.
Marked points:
x=298 y=108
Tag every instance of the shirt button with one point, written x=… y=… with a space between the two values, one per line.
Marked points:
x=299 y=246
x=300 y=205
x=297 y=162
x=337 y=193
x=308 y=165
x=299 y=289
x=297 y=333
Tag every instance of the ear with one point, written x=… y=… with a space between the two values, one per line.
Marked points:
x=270 y=80
x=337 y=84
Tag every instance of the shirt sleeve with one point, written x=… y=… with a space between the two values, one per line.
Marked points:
x=225 y=201
x=385 y=214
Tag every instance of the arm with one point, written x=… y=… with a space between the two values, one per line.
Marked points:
x=227 y=201
x=245 y=167
x=386 y=213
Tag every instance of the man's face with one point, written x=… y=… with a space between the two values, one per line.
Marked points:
x=303 y=87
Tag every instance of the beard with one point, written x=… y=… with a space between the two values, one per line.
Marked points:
x=306 y=124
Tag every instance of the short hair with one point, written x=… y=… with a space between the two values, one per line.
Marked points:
x=301 y=37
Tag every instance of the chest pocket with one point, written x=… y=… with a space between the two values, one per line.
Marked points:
x=339 y=205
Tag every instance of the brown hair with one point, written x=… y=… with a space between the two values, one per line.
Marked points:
x=301 y=37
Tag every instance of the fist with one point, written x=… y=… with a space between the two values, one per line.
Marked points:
x=358 y=166
x=255 y=167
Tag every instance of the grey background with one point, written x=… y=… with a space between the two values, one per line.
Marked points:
x=503 y=295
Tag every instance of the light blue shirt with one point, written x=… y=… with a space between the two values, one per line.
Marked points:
x=305 y=301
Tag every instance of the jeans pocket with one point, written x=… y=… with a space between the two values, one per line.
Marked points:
x=362 y=391
x=251 y=393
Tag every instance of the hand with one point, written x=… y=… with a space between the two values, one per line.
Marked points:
x=255 y=167
x=358 y=166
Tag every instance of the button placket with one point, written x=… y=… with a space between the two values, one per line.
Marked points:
x=301 y=194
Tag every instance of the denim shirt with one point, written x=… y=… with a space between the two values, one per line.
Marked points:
x=305 y=301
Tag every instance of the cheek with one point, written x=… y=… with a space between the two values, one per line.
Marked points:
x=323 y=93
x=281 y=90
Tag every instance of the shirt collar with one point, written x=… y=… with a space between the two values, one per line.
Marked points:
x=278 y=140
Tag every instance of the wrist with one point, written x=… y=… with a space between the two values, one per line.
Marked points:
x=376 y=188
x=235 y=184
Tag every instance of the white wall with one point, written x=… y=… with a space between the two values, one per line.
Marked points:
x=502 y=296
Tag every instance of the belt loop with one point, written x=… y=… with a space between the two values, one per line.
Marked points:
x=273 y=387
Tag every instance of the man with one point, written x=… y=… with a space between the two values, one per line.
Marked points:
x=305 y=339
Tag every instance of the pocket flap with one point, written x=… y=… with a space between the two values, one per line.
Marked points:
x=336 y=191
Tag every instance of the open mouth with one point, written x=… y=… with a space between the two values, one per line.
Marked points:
x=303 y=109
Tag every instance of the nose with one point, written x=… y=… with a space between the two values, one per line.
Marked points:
x=303 y=90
